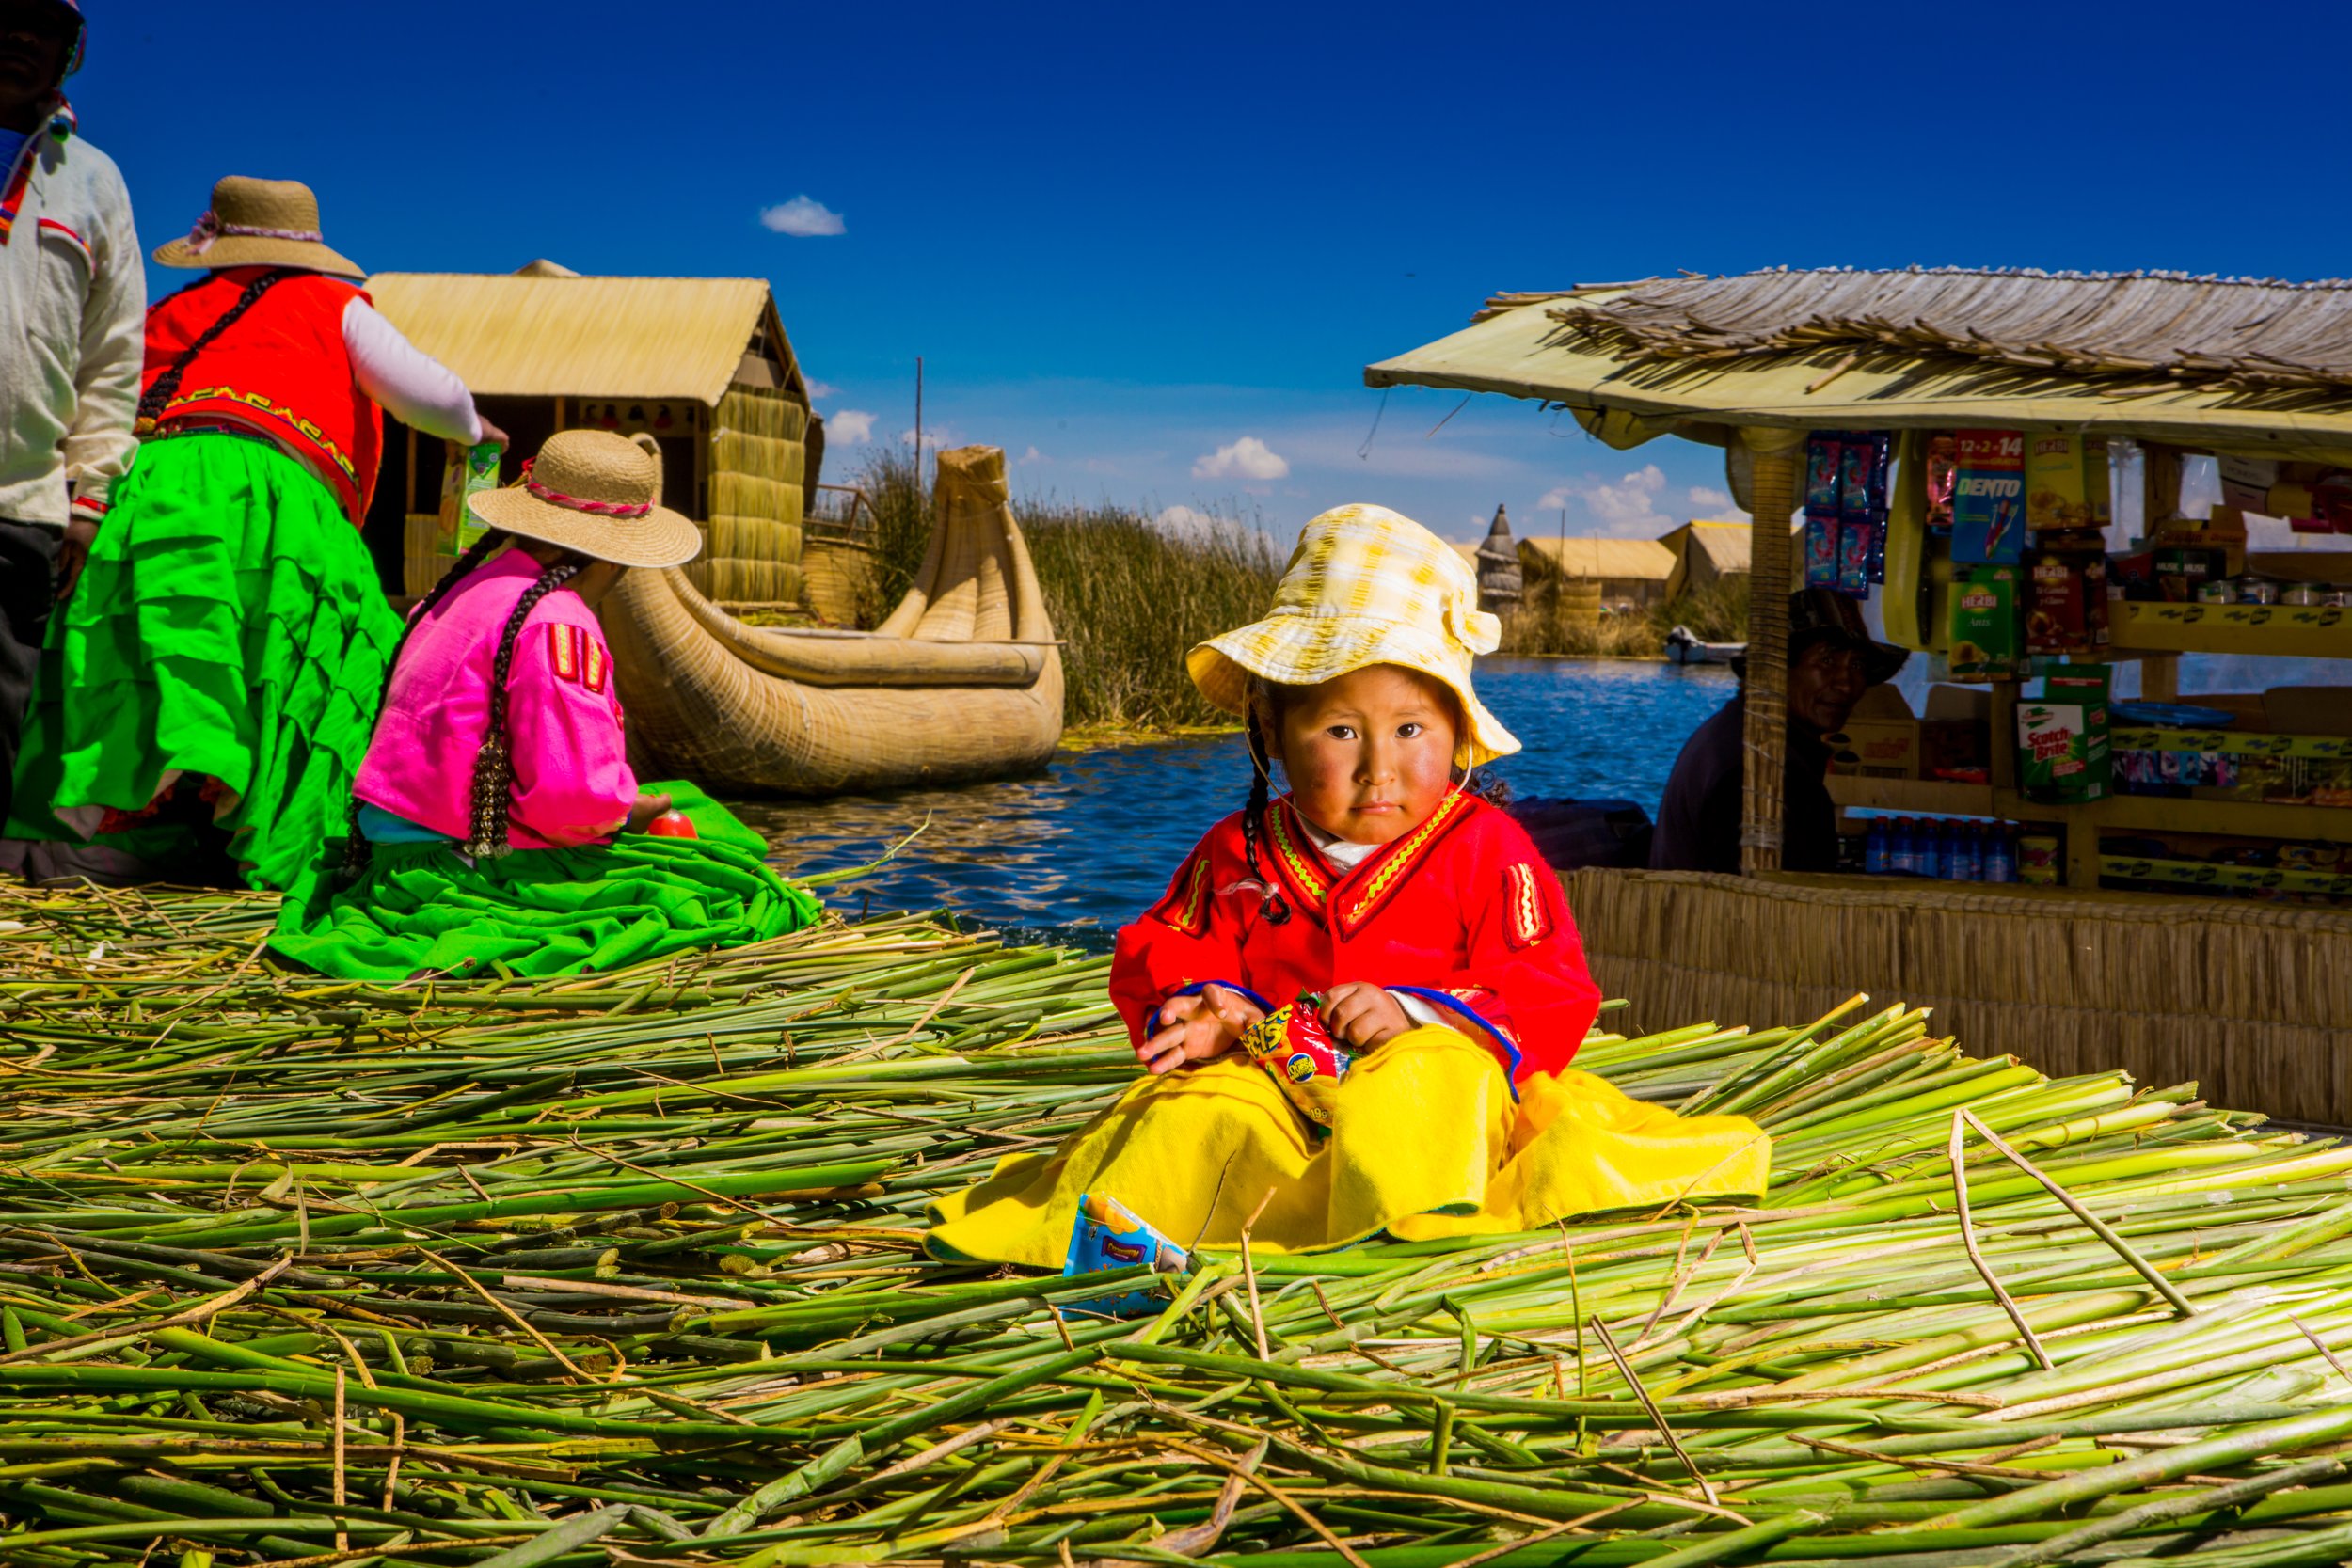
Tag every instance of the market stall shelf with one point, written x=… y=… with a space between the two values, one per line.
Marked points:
x=2002 y=399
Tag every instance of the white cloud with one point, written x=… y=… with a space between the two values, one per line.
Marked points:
x=822 y=389
x=1715 y=505
x=802 y=218
x=1184 y=522
x=1248 y=458
x=1625 y=509
x=935 y=440
x=1032 y=456
x=851 y=426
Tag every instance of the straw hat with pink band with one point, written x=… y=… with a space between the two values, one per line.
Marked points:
x=259 y=223
x=597 y=495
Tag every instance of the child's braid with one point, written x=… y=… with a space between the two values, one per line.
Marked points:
x=1274 y=906
x=493 y=770
x=355 y=843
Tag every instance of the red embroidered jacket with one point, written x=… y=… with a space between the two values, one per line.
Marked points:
x=1461 y=912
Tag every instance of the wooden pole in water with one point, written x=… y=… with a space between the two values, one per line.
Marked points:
x=918 y=432
x=1764 y=782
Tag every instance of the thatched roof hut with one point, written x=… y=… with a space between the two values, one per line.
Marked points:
x=702 y=364
x=1630 y=572
x=1707 y=552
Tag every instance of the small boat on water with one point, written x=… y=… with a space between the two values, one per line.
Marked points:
x=962 y=682
x=1685 y=646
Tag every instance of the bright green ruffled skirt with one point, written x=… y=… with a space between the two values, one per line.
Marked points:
x=229 y=625
x=425 y=907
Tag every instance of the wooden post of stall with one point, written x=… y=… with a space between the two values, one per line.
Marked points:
x=1778 y=454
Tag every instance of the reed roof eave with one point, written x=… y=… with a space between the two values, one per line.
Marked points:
x=1545 y=347
x=516 y=335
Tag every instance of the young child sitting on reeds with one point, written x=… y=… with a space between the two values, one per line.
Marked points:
x=496 y=822
x=1439 y=944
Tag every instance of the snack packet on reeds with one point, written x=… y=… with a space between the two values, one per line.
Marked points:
x=1105 y=1234
x=1306 y=1064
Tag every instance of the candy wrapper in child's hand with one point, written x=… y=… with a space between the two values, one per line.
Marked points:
x=1106 y=1235
x=1292 y=1045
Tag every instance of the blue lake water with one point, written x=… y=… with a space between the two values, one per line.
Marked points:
x=1090 y=843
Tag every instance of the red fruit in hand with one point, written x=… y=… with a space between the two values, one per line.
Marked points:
x=673 y=824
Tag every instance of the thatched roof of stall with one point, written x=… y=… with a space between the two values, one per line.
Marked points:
x=1637 y=560
x=546 y=333
x=2229 y=364
x=2210 y=331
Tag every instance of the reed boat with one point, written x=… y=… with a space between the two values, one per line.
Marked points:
x=1685 y=646
x=962 y=682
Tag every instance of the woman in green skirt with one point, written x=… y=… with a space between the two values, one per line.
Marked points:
x=220 y=655
x=498 y=826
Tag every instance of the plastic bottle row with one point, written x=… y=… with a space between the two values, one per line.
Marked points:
x=1950 y=850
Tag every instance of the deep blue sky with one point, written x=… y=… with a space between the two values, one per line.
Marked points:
x=1123 y=238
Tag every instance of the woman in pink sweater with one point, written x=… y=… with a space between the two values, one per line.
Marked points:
x=496 y=823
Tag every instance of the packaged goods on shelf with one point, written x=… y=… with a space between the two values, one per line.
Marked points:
x=1884 y=740
x=2068 y=610
x=1987 y=642
x=2062 y=751
x=2066 y=483
x=1988 y=498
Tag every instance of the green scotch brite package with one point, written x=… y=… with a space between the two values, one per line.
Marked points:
x=1988 y=640
x=2062 y=752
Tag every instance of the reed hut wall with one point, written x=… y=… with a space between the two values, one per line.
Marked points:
x=2252 y=1002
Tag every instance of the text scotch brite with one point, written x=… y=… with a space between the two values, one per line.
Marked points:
x=1292 y=1045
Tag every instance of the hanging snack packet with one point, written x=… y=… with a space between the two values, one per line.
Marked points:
x=1105 y=1234
x=468 y=472
x=1863 y=459
x=1824 y=479
x=1291 y=1044
x=1853 y=559
x=1821 y=551
x=1943 y=466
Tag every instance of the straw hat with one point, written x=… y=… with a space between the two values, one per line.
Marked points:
x=595 y=493
x=1365 y=586
x=267 y=223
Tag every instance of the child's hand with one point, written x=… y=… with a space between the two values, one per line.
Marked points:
x=1198 y=1027
x=646 y=810
x=1363 y=1014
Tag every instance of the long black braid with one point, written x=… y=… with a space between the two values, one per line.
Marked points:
x=355 y=843
x=167 y=385
x=1276 y=908
x=494 y=770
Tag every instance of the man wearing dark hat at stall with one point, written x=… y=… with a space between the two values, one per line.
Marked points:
x=1832 y=661
x=72 y=296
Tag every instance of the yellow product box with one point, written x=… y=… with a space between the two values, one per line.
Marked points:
x=2066 y=482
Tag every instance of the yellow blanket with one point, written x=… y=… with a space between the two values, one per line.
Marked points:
x=1427 y=1142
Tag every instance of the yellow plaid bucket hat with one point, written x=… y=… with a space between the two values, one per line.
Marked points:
x=1365 y=586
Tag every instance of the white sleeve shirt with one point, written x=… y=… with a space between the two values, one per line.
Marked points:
x=410 y=385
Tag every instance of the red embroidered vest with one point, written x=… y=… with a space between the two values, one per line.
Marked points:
x=281 y=369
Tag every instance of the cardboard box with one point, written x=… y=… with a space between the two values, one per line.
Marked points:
x=1988 y=498
x=2066 y=482
x=1987 y=633
x=2062 y=751
x=1884 y=740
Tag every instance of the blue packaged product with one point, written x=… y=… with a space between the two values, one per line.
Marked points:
x=2000 y=854
x=1862 y=463
x=1824 y=482
x=1821 y=551
x=1853 y=559
x=1968 y=854
x=1105 y=1234
x=1875 y=857
x=1878 y=548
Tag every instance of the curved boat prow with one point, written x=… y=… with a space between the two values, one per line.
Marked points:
x=961 y=682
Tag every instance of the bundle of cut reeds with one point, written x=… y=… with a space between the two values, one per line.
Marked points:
x=623 y=1270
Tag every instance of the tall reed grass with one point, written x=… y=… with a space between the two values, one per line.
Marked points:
x=1128 y=598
